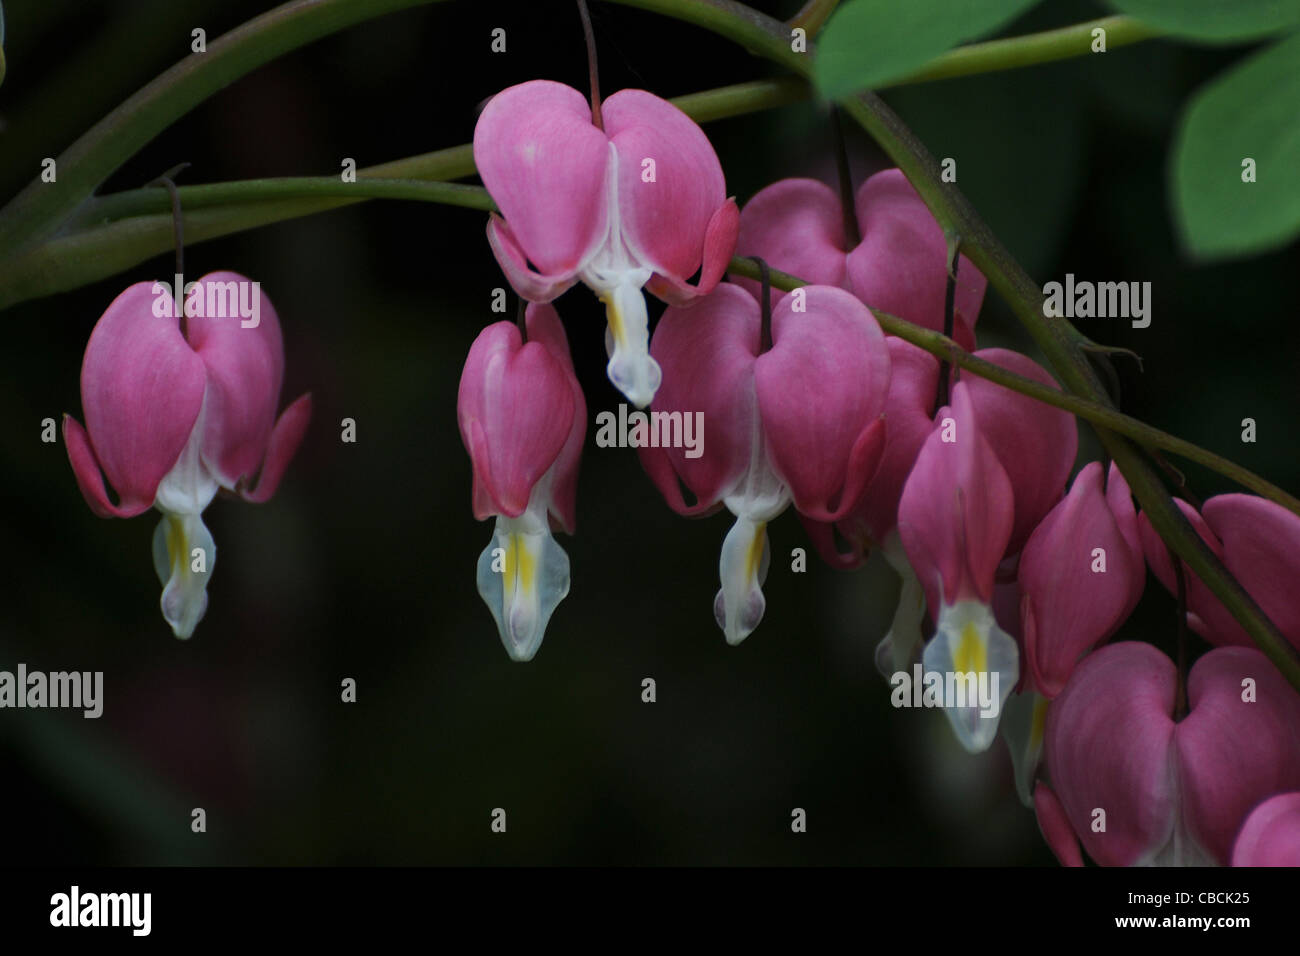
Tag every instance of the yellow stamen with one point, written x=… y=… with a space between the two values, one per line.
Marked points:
x=520 y=566
x=177 y=550
x=614 y=317
x=755 y=554
x=1039 y=723
x=970 y=655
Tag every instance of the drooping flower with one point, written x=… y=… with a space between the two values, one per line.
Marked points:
x=914 y=374
x=873 y=522
x=175 y=413
x=1035 y=442
x=1259 y=543
x=1271 y=834
x=522 y=417
x=638 y=203
x=954 y=520
x=1137 y=787
x=801 y=422
x=1082 y=574
x=899 y=267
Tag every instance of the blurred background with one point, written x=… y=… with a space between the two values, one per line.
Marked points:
x=362 y=566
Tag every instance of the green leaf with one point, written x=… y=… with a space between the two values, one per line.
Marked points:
x=1250 y=112
x=869 y=42
x=1221 y=20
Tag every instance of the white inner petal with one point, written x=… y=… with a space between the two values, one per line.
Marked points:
x=616 y=274
x=968 y=641
x=760 y=495
x=189 y=487
x=523 y=575
x=739 y=604
x=895 y=651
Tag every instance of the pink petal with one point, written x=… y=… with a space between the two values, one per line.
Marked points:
x=527 y=282
x=821 y=394
x=1055 y=826
x=1206 y=615
x=1068 y=608
x=544 y=326
x=901 y=265
x=913 y=378
x=1233 y=753
x=1261 y=547
x=285 y=438
x=1119 y=499
x=1271 y=834
x=797 y=227
x=719 y=244
x=1108 y=747
x=544 y=164
x=245 y=367
x=707 y=355
x=956 y=510
x=515 y=409
x=89 y=478
x=849 y=550
x=665 y=222
x=1036 y=443
x=141 y=387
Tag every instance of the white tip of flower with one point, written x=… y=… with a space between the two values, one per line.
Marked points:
x=184 y=555
x=1024 y=720
x=896 y=650
x=979 y=663
x=740 y=604
x=627 y=342
x=523 y=575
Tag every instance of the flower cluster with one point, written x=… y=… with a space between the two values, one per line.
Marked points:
x=1013 y=575
x=1009 y=570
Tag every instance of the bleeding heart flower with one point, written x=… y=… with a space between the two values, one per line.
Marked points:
x=874 y=520
x=640 y=202
x=522 y=417
x=1036 y=443
x=954 y=520
x=1259 y=542
x=1081 y=574
x=1271 y=834
x=899 y=267
x=913 y=377
x=799 y=422
x=1138 y=787
x=173 y=415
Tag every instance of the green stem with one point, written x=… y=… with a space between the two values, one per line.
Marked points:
x=111 y=234
x=1056 y=337
x=142 y=202
x=1010 y=53
x=943 y=347
x=97 y=244
x=739 y=99
x=813 y=15
x=40 y=208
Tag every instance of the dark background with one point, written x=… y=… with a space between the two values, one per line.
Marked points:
x=362 y=566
